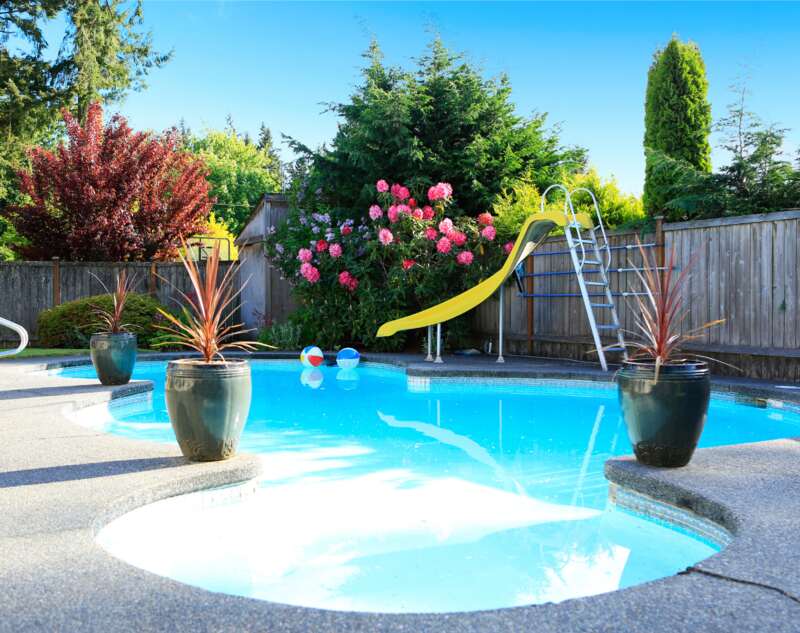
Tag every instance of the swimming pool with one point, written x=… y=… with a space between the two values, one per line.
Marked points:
x=387 y=493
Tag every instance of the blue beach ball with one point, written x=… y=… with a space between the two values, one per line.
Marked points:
x=312 y=356
x=347 y=379
x=348 y=358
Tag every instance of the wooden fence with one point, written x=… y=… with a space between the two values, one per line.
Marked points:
x=745 y=270
x=27 y=288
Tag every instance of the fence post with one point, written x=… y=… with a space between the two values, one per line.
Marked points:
x=56 y=281
x=660 y=241
x=529 y=290
x=151 y=285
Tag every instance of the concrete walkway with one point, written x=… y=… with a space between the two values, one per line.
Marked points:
x=59 y=482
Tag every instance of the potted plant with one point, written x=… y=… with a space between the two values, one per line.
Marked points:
x=208 y=398
x=663 y=393
x=113 y=349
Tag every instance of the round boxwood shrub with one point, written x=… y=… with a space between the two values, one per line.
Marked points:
x=72 y=324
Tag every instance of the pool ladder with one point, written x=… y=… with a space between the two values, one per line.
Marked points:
x=591 y=256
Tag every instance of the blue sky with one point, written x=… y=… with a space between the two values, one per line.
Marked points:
x=583 y=63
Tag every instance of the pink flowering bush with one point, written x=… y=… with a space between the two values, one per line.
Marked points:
x=411 y=250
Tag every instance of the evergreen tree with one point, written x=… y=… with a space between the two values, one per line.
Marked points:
x=107 y=54
x=444 y=122
x=677 y=116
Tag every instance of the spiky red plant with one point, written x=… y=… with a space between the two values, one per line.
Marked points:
x=660 y=313
x=112 y=319
x=206 y=313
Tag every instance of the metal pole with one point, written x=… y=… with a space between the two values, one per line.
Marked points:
x=429 y=357
x=500 y=358
x=438 y=343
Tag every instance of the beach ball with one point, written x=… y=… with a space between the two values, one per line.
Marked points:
x=311 y=377
x=348 y=358
x=347 y=379
x=311 y=356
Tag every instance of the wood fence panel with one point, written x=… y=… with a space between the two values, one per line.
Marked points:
x=745 y=270
x=26 y=288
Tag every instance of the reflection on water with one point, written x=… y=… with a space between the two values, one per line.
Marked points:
x=378 y=498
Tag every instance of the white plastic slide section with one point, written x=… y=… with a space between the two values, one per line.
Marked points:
x=23 y=337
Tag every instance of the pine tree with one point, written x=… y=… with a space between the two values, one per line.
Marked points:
x=107 y=54
x=677 y=116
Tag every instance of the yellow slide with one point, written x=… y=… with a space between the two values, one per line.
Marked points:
x=536 y=228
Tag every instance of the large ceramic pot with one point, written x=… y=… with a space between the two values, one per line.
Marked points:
x=666 y=417
x=208 y=405
x=113 y=357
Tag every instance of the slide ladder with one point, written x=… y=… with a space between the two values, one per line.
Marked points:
x=23 y=337
x=591 y=258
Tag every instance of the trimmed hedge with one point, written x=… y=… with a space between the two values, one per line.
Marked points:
x=72 y=324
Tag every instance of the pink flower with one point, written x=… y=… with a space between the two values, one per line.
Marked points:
x=346 y=229
x=335 y=250
x=347 y=281
x=427 y=212
x=400 y=192
x=508 y=247
x=311 y=273
x=431 y=233
x=464 y=258
x=440 y=191
x=443 y=245
x=485 y=219
x=403 y=208
x=417 y=214
x=393 y=214
x=408 y=263
x=489 y=232
x=304 y=255
x=322 y=246
x=375 y=212
x=385 y=237
x=445 y=226
x=457 y=237
x=382 y=186
x=412 y=203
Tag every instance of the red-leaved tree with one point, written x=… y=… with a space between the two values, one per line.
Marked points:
x=110 y=194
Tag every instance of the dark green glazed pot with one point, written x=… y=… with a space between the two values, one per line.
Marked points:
x=208 y=405
x=664 y=418
x=113 y=357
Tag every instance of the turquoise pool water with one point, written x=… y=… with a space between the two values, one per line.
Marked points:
x=385 y=494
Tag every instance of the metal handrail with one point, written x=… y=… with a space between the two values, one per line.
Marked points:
x=23 y=337
x=569 y=213
x=599 y=223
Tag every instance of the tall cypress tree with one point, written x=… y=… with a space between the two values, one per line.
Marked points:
x=677 y=116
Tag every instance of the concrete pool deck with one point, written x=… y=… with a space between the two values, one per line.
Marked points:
x=59 y=482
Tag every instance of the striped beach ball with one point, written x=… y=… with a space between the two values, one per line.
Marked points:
x=348 y=358
x=311 y=356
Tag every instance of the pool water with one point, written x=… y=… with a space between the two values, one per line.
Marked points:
x=382 y=493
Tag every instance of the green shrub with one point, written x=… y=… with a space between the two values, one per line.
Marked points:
x=72 y=324
x=283 y=336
